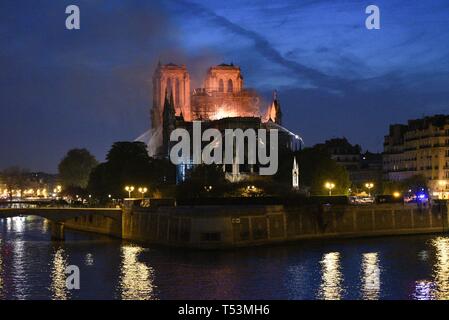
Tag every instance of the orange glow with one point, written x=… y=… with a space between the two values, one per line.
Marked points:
x=221 y=113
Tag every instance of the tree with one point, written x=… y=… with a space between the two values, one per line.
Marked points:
x=75 y=168
x=15 y=178
x=128 y=163
x=204 y=181
x=316 y=167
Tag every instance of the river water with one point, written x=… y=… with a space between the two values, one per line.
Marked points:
x=32 y=267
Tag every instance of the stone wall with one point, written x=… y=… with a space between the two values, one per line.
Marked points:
x=235 y=226
x=97 y=224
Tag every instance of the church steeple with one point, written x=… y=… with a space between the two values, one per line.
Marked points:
x=274 y=113
x=168 y=122
x=295 y=175
x=277 y=107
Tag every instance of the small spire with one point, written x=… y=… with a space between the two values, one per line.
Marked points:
x=166 y=94
x=172 y=103
x=275 y=95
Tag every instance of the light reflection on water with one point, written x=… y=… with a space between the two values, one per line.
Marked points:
x=370 y=276
x=33 y=267
x=136 y=280
x=331 y=277
x=19 y=273
x=441 y=268
x=58 y=276
x=1 y=269
x=438 y=287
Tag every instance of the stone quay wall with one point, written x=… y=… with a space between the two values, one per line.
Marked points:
x=224 y=226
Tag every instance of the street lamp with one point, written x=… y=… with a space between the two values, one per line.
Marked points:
x=143 y=190
x=129 y=189
x=329 y=186
x=369 y=186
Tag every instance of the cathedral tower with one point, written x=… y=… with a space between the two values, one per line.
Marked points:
x=225 y=78
x=174 y=80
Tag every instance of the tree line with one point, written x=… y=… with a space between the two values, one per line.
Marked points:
x=128 y=163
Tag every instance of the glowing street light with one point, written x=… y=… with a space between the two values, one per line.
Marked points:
x=369 y=186
x=129 y=189
x=143 y=190
x=396 y=194
x=329 y=186
x=208 y=188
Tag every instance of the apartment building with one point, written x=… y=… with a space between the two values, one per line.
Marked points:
x=421 y=147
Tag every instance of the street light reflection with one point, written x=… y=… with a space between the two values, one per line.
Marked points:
x=58 y=276
x=1 y=269
x=136 y=280
x=370 y=276
x=331 y=277
x=441 y=268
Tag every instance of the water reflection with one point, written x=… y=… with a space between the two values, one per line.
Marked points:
x=45 y=226
x=16 y=224
x=58 y=277
x=89 y=260
x=331 y=277
x=370 y=276
x=424 y=290
x=423 y=255
x=136 y=280
x=1 y=269
x=441 y=268
x=33 y=267
x=19 y=276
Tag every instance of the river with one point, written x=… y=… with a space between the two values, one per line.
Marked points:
x=406 y=267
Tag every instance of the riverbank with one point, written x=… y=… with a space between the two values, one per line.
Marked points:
x=230 y=226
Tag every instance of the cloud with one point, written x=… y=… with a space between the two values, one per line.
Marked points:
x=266 y=49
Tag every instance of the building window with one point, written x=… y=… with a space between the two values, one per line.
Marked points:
x=177 y=102
x=230 y=86
x=169 y=87
x=220 y=86
x=211 y=236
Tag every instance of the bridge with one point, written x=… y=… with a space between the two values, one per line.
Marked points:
x=58 y=216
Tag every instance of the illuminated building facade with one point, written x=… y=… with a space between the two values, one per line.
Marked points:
x=222 y=103
x=421 y=147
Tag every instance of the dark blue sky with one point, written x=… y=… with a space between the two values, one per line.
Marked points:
x=61 y=89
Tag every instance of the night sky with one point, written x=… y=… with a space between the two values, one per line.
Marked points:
x=61 y=89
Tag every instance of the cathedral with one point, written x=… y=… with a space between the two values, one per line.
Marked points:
x=223 y=95
x=222 y=102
